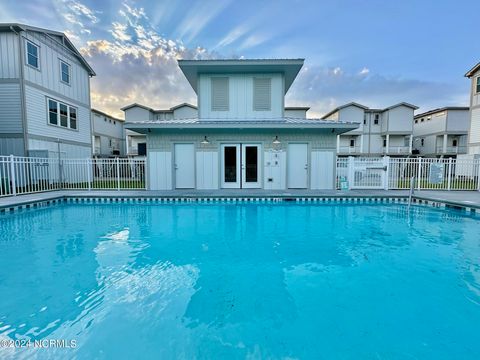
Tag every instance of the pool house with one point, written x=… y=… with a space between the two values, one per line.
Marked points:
x=243 y=137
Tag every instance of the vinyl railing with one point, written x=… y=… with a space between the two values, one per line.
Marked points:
x=24 y=175
x=396 y=173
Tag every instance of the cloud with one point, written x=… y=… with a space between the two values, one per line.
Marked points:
x=324 y=88
x=198 y=17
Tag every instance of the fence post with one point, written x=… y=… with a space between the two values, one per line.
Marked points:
x=118 y=173
x=419 y=174
x=351 y=171
x=386 y=164
x=12 y=176
x=449 y=174
x=89 y=174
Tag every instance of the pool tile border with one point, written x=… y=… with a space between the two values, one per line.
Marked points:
x=233 y=200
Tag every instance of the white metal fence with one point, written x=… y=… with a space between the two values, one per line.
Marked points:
x=397 y=173
x=24 y=175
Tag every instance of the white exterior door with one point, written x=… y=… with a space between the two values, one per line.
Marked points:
x=251 y=166
x=184 y=166
x=297 y=166
x=230 y=165
x=241 y=166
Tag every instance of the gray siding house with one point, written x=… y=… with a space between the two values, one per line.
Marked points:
x=108 y=135
x=44 y=94
x=242 y=137
x=441 y=132
x=474 y=129
x=380 y=131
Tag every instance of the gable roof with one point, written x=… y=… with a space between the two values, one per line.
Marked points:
x=106 y=115
x=472 y=71
x=289 y=67
x=66 y=43
x=344 y=106
x=402 y=104
x=172 y=109
x=183 y=105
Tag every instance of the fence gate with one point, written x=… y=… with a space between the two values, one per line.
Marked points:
x=368 y=173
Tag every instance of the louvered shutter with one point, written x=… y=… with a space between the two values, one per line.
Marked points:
x=262 y=94
x=220 y=94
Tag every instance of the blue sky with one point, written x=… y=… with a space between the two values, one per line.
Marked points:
x=374 y=52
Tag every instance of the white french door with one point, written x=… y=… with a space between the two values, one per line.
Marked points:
x=240 y=166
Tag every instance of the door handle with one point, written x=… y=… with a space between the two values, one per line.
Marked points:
x=176 y=167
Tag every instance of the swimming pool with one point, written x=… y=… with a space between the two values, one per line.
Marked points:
x=234 y=281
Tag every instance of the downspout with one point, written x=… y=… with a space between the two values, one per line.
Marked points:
x=22 y=91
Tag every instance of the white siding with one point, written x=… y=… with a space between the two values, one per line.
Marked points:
x=36 y=106
x=159 y=170
x=296 y=113
x=240 y=97
x=400 y=119
x=10 y=109
x=138 y=114
x=458 y=120
x=48 y=76
x=9 y=55
x=475 y=126
x=322 y=170
x=12 y=146
x=66 y=150
x=185 y=112
x=207 y=170
x=352 y=114
x=275 y=170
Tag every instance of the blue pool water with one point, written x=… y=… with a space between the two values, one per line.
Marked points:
x=225 y=281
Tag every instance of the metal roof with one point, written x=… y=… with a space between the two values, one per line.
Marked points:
x=15 y=27
x=277 y=123
x=289 y=67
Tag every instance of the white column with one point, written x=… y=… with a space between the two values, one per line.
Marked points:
x=410 y=145
x=387 y=145
x=445 y=141
x=338 y=144
x=361 y=144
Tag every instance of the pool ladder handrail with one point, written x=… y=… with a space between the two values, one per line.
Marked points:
x=410 y=194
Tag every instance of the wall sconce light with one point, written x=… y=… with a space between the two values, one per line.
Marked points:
x=205 y=141
x=276 y=141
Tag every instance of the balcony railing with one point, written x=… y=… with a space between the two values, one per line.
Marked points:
x=452 y=150
x=397 y=150
x=349 y=150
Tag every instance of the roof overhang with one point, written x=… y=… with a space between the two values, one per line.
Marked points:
x=146 y=127
x=472 y=71
x=288 y=67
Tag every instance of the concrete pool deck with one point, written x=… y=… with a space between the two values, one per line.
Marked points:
x=467 y=199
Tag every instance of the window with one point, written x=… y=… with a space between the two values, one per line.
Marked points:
x=384 y=142
x=352 y=142
x=64 y=72
x=52 y=112
x=220 y=94
x=73 y=118
x=262 y=94
x=63 y=115
x=477 y=88
x=422 y=120
x=429 y=118
x=454 y=142
x=32 y=55
x=416 y=121
x=364 y=119
x=422 y=142
x=376 y=119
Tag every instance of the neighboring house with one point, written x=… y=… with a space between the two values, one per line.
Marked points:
x=474 y=128
x=108 y=136
x=441 y=132
x=242 y=136
x=44 y=94
x=380 y=132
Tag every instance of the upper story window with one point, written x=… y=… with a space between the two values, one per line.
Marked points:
x=352 y=142
x=32 y=55
x=477 y=88
x=364 y=119
x=62 y=115
x=416 y=121
x=377 y=118
x=262 y=94
x=220 y=94
x=64 y=72
x=422 y=142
